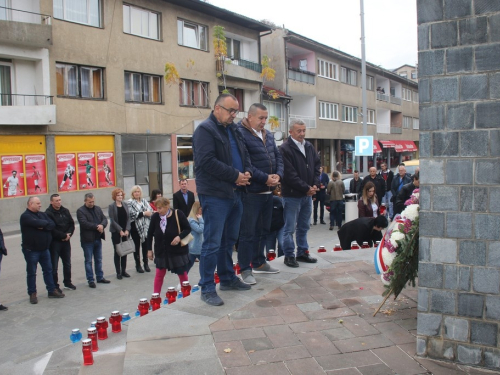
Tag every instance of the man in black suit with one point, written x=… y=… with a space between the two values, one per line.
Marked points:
x=184 y=199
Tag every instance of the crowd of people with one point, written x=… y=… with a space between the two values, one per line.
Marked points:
x=252 y=196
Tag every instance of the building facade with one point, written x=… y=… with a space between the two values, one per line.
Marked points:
x=84 y=103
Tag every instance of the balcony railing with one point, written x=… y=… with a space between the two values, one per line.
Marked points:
x=395 y=130
x=310 y=121
x=11 y=14
x=382 y=97
x=25 y=100
x=395 y=100
x=301 y=75
x=256 y=67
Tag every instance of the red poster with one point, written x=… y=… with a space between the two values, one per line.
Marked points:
x=106 y=168
x=66 y=177
x=87 y=171
x=12 y=176
x=36 y=179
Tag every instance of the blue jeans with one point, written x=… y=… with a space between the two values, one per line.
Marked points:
x=93 y=249
x=192 y=259
x=271 y=241
x=297 y=213
x=255 y=225
x=387 y=200
x=336 y=213
x=32 y=259
x=222 y=225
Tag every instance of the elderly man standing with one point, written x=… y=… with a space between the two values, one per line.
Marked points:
x=222 y=171
x=36 y=229
x=397 y=184
x=92 y=223
x=377 y=180
x=267 y=171
x=300 y=183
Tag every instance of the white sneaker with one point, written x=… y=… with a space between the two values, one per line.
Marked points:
x=178 y=287
x=248 y=278
x=266 y=268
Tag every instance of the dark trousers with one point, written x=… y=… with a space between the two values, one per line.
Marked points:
x=120 y=262
x=192 y=259
x=320 y=200
x=61 y=249
x=137 y=243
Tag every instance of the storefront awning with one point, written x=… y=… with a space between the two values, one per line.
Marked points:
x=387 y=144
x=400 y=146
x=376 y=147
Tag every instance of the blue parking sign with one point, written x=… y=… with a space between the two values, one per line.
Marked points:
x=363 y=145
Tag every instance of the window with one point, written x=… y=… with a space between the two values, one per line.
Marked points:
x=79 y=81
x=414 y=74
x=143 y=88
x=348 y=76
x=371 y=117
x=141 y=22
x=407 y=95
x=193 y=93
x=5 y=86
x=185 y=158
x=349 y=114
x=273 y=109
x=370 y=83
x=238 y=94
x=407 y=122
x=192 y=35
x=233 y=48
x=87 y=12
x=327 y=69
x=328 y=111
x=415 y=96
x=403 y=74
x=5 y=14
x=415 y=123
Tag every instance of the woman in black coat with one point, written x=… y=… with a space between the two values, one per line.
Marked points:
x=119 y=227
x=169 y=254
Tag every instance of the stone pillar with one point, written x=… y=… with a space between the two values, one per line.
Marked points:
x=459 y=88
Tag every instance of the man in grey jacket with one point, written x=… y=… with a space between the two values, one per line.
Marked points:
x=92 y=223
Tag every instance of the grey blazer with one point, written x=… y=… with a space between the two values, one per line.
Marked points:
x=113 y=217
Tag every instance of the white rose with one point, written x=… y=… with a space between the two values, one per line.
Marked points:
x=411 y=212
x=388 y=257
x=396 y=236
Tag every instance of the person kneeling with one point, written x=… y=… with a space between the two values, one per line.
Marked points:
x=364 y=229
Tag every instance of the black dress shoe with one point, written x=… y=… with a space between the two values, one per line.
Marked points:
x=322 y=222
x=139 y=269
x=103 y=281
x=291 y=262
x=146 y=268
x=124 y=274
x=306 y=258
x=119 y=276
x=91 y=284
x=315 y=223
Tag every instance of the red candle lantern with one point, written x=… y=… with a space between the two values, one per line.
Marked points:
x=155 y=301
x=92 y=335
x=365 y=245
x=102 y=328
x=143 y=306
x=354 y=245
x=185 y=289
x=171 y=295
x=116 y=322
x=321 y=249
x=271 y=255
x=216 y=278
x=236 y=268
x=382 y=209
x=337 y=247
x=88 y=358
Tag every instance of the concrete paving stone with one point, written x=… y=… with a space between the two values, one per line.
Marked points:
x=345 y=371
x=312 y=306
x=317 y=344
x=360 y=276
x=191 y=366
x=257 y=344
x=281 y=336
x=316 y=325
x=337 y=334
x=359 y=327
x=238 y=334
x=352 y=301
x=223 y=324
x=366 y=312
x=333 y=285
x=363 y=343
x=379 y=369
x=279 y=354
x=290 y=300
x=106 y=364
x=373 y=299
x=306 y=282
x=326 y=297
x=478 y=371
x=346 y=360
x=346 y=280
x=278 y=292
x=258 y=322
x=241 y=314
x=399 y=361
x=329 y=314
x=408 y=324
x=288 y=286
x=232 y=354
x=395 y=333
x=291 y=314
x=410 y=349
x=258 y=311
x=356 y=292
x=439 y=367
x=268 y=368
x=303 y=366
x=305 y=291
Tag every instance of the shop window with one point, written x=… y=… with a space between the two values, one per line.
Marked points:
x=185 y=158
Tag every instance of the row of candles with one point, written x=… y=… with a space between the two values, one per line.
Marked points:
x=354 y=246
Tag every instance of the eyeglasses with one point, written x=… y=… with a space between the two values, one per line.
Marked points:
x=231 y=111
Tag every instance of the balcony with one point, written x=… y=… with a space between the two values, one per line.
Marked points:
x=395 y=130
x=310 y=121
x=18 y=109
x=256 y=67
x=301 y=75
x=239 y=68
x=25 y=28
x=395 y=100
x=382 y=97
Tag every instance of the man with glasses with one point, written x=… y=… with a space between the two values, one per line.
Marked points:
x=222 y=169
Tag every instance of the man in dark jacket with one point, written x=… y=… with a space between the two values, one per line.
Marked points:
x=397 y=184
x=378 y=181
x=36 y=229
x=355 y=184
x=222 y=171
x=92 y=223
x=267 y=171
x=300 y=183
x=405 y=194
x=388 y=176
x=60 y=247
x=319 y=197
x=183 y=199
x=364 y=229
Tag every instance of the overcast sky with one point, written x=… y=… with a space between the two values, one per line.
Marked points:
x=390 y=25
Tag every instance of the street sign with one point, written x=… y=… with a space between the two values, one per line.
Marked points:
x=363 y=145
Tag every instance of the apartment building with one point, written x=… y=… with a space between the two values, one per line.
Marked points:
x=84 y=105
x=407 y=71
x=325 y=88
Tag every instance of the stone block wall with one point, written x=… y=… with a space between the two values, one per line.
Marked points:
x=459 y=274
